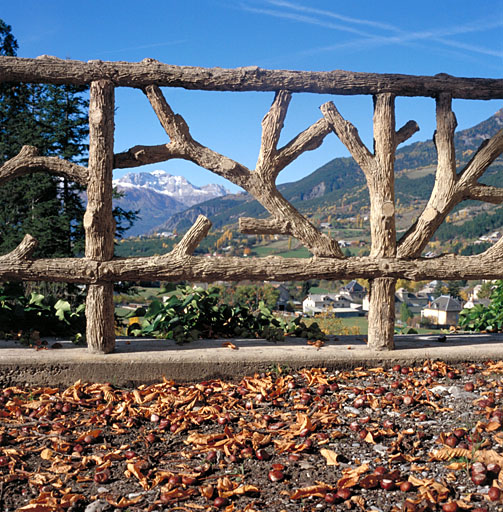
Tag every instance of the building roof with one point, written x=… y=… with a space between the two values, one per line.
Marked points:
x=445 y=303
x=353 y=286
x=320 y=297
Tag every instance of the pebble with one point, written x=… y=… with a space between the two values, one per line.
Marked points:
x=437 y=390
x=461 y=393
x=96 y=506
x=380 y=448
x=352 y=410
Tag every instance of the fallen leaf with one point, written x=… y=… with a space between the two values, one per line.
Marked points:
x=228 y=344
x=330 y=456
x=318 y=491
x=318 y=343
x=46 y=454
x=241 y=490
x=124 y=502
x=492 y=426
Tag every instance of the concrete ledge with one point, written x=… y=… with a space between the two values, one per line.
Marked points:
x=142 y=361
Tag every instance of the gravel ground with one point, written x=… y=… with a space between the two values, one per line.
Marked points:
x=402 y=439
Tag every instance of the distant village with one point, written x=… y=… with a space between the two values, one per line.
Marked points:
x=353 y=300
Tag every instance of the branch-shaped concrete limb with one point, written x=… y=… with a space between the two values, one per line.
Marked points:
x=378 y=167
x=175 y=267
x=22 y=252
x=48 y=69
x=251 y=226
x=194 y=236
x=260 y=183
x=28 y=161
x=184 y=146
x=451 y=188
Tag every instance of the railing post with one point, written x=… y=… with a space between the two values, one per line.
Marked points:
x=382 y=223
x=98 y=220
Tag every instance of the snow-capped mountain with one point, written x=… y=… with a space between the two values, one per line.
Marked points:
x=177 y=187
x=158 y=195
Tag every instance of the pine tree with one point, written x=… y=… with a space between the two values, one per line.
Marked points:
x=54 y=120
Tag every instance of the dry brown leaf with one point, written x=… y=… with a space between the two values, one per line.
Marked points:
x=135 y=470
x=455 y=466
x=225 y=484
x=498 y=438
x=330 y=456
x=161 y=476
x=69 y=499
x=207 y=491
x=450 y=453
x=359 y=501
x=369 y=438
x=177 y=493
x=93 y=433
x=46 y=454
x=352 y=476
x=39 y=507
x=318 y=343
x=124 y=502
x=137 y=397
x=240 y=491
x=228 y=344
x=318 y=491
x=492 y=426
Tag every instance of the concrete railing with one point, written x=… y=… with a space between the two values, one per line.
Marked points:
x=388 y=259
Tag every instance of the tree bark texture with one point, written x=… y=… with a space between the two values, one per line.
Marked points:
x=47 y=69
x=381 y=315
x=17 y=265
x=99 y=224
x=381 y=184
x=378 y=169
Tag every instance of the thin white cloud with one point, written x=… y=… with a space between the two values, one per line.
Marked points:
x=304 y=19
x=318 y=17
x=330 y=14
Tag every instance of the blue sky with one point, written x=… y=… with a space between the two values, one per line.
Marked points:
x=462 y=38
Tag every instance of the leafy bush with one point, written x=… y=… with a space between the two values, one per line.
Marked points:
x=481 y=318
x=197 y=313
x=49 y=316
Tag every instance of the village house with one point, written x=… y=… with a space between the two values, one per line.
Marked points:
x=343 y=304
x=336 y=304
x=414 y=301
x=442 y=312
x=317 y=303
x=354 y=291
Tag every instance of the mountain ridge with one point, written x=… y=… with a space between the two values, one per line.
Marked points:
x=157 y=195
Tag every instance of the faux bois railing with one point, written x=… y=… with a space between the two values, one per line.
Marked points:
x=388 y=259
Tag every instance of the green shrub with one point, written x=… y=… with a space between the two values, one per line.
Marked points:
x=481 y=318
x=196 y=313
x=48 y=315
